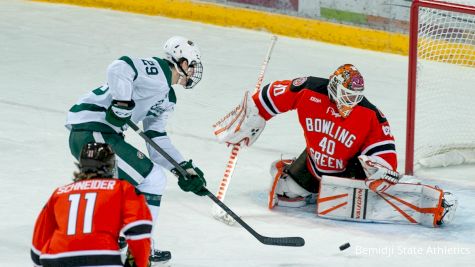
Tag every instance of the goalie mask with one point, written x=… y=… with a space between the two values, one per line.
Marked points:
x=179 y=49
x=346 y=88
x=97 y=158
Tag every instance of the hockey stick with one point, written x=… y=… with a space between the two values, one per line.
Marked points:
x=232 y=161
x=273 y=241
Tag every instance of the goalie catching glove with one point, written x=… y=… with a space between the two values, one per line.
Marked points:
x=378 y=177
x=243 y=124
x=194 y=181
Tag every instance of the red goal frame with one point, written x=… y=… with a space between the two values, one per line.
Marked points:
x=411 y=92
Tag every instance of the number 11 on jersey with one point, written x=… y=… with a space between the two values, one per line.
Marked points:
x=74 y=200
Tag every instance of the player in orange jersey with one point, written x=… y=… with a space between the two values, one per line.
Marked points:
x=346 y=136
x=339 y=125
x=81 y=222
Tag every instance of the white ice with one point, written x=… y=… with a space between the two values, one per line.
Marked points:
x=52 y=54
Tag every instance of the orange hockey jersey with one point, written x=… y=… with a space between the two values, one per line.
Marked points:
x=333 y=142
x=81 y=222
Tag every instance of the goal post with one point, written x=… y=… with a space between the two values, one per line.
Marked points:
x=440 y=128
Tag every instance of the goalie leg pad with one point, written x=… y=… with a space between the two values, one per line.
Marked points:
x=284 y=190
x=407 y=203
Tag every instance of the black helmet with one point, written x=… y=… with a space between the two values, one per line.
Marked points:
x=97 y=158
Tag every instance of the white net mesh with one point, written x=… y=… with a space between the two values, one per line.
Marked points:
x=445 y=115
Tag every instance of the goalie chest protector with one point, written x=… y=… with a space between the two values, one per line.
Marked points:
x=332 y=141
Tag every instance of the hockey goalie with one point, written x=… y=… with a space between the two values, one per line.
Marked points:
x=348 y=167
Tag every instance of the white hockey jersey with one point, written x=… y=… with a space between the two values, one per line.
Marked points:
x=145 y=81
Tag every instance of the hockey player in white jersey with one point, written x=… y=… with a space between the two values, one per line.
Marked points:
x=140 y=89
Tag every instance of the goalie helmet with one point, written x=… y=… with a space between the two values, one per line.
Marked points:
x=178 y=49
x=97 y=158
x=346 y=88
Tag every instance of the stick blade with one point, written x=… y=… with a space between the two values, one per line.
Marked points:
x=220 y=215
x=283 y=241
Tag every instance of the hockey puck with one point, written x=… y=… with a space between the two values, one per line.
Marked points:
x=344 y=246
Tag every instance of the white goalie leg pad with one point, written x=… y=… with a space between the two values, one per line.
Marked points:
x=284 y=190
x=242 y=124
x=406 y=203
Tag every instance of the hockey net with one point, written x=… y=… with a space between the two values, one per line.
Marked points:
x=441 y=116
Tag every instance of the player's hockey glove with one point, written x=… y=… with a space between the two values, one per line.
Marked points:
x=119 y=112
x=194 y=181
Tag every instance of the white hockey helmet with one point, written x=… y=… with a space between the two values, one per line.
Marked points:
x=346 y=88
x=177 y=49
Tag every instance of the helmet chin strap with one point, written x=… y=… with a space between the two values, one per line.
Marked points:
x=178 y=68
x=180 y=71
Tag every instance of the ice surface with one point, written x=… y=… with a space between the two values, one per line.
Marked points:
x=52 y=54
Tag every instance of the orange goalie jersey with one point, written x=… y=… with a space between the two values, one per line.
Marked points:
x=333 y=142
x=81 y=222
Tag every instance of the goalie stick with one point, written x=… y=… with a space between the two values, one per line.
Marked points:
x=218 y=213
x=273 y=241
